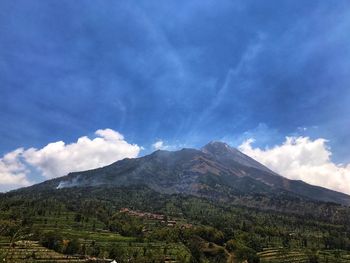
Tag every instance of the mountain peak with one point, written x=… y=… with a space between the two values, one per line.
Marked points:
x=217 y=144
x=218 y=147
x=227 y=154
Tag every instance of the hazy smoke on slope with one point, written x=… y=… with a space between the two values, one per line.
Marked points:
x=69 y=183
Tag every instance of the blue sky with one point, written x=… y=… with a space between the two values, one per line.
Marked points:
x=185 y=72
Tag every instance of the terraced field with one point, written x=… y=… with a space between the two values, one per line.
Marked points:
x=91 y=236
x=31 y=251
x=280 y=255
x=78 y=237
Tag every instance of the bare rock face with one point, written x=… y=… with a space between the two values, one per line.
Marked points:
x=224 y=153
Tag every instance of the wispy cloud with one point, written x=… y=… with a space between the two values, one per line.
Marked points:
x=232 y=79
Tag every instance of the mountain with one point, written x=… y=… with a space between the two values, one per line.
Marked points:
x=216 y=171
x=213 y=204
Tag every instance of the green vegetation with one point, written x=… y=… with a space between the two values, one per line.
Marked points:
x=30 y=251
x=78 y=224
x=280 y=255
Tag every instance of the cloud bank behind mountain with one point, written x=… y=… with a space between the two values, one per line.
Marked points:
x=59 y=158
x=301 y=158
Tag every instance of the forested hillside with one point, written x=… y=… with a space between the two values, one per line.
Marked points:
x=138 y=224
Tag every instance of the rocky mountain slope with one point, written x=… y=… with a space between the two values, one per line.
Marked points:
x=217 y=171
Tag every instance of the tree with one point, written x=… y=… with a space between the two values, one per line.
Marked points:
x=51 y=240
x=313 y=257
x=231 y=245
x=118 y=253
x=78 y=218
x=73 y=247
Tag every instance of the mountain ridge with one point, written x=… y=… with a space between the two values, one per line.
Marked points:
x=216 y=171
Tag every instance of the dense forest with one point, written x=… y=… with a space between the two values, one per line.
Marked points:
x=136 y=224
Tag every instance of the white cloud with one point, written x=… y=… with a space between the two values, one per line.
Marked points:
x=12 y=171
x=58 y=158
x=159 y=145
x=301 y=158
